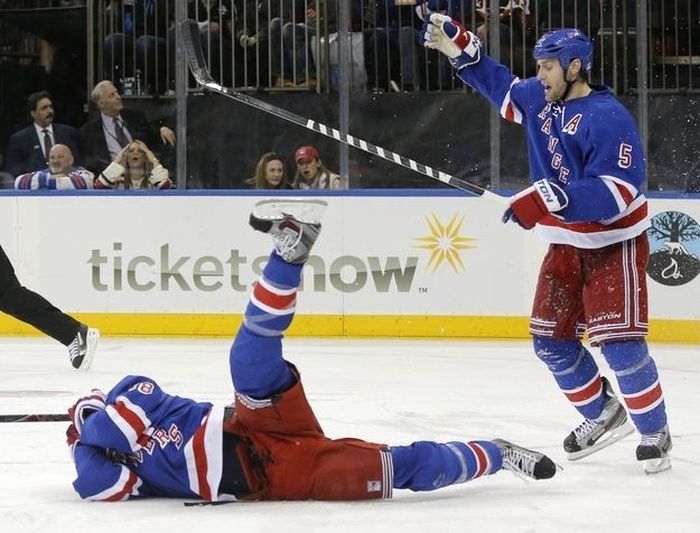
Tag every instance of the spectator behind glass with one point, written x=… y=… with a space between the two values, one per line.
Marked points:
x=252 y=36
x=311 y=172
x=390 y=44
x=517 y=35
x=107 y=132
x=141 y=30
x=28 y=149
x=135 y=167
x=270 y=173
x=60 y=174
x=214 y=20
x=292 y=32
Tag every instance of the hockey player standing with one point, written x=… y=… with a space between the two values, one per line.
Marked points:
x=140 y=441
x=587 y=169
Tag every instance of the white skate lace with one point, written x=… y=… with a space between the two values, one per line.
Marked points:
x=286 y=242
x=586 y=428
x=653 y=439
x=77 y=347
x=520 y=462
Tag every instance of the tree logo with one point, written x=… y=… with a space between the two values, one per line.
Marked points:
x=674 y=239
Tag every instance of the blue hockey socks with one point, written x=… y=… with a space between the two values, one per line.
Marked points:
x=576 y=373
x=639 y=383
x=427 y=465
x=257 y=366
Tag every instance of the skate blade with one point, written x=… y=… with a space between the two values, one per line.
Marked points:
x=612 y=437
x=305 y=211
x=654 y=466
x=93 y=337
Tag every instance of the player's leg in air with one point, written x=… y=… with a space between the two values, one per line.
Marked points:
x=260 y=372
x=258 y=369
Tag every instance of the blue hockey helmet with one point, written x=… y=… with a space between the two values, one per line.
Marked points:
x=565 y=45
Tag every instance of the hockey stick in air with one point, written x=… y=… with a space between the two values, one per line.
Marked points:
x=63 y=417
x=192 y=48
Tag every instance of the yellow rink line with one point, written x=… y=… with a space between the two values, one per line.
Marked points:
x=225 y=325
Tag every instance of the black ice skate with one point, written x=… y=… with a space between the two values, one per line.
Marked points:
x=82 y=349
x=653 y=451
x=594 y=435
x=293 y=224
x=525 y=463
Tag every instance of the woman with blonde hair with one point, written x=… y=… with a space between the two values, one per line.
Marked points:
x=270 y=173
x=135 y=167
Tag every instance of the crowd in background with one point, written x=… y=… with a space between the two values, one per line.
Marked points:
x=285 y=46
x=115 y=148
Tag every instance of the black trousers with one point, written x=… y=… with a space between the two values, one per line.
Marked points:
x=30 y=307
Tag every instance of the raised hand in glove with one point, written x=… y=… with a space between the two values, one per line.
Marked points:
x=448 y=36
x=531 y=205
x=86 y=406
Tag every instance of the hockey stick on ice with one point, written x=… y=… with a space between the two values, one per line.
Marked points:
x=63 y=417
x=192 y=47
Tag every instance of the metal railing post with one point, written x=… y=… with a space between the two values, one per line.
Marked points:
x=345 y=72
x=494 y=41
x=181 y=95
x=643 y=78
x=90 y=52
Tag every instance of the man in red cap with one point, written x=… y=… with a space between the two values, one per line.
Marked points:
x=311 y=172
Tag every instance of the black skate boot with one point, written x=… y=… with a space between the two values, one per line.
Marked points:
x=594 y=435
x=653 y=451
x=525 y=463
x=82 y=349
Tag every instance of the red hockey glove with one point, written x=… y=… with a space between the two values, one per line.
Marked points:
x=86 y=406
x=530 y=206
x=72 y=435
x=448 y=36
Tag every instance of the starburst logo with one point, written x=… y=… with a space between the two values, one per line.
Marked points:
x=445 y=243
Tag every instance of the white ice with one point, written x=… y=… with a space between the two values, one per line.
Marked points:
x=392 y=391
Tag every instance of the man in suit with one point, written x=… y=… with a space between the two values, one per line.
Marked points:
x=28 y=149
x=113 y=127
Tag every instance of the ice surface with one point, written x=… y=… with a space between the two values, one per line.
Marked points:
x=392 y=391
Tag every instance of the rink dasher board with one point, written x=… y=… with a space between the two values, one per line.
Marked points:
x=412 y=265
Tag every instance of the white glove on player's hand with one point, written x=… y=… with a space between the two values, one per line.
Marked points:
x=86 y=406
x=452 y=39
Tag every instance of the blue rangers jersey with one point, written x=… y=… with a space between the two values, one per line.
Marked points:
x=588 y=146
x=149 y=443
